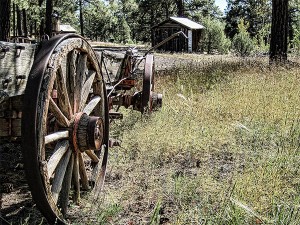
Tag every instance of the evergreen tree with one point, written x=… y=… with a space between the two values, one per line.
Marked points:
x=214 y=37
x=257 y=13
x=242 y=42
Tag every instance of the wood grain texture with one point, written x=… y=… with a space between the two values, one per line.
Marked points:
x=15 y=64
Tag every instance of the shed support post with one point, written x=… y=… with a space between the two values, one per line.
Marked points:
x=190 y=41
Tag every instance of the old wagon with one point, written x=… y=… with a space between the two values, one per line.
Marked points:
x=57 y=100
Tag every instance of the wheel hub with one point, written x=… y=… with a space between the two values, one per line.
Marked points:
x=87 y=132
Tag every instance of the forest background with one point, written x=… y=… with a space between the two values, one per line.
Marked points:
x=243 y=27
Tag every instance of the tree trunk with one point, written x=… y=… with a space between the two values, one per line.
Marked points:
x=279 y=31
x=19 y=22
x=4 y=20
x=48 y=19
x=14 y=20
x=180 y=7
x=25 y=23
x=81 y=18
x=167 y=6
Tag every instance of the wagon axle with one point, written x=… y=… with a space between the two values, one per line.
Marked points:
x=135 y=100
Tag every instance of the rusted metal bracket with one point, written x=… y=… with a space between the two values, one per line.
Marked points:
x=3 y=51
x=19 y=49
x=115 y=115
x=6 y=81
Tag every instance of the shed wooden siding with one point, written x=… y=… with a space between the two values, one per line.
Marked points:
x=179 y=44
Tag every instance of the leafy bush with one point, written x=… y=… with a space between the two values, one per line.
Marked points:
x=214 y=36
x=242 y=42
x=296 y=41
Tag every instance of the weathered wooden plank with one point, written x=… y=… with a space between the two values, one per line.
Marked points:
x=17 y=103
x=4 y=130
x=15 y=65
x=16 y=127
x=10 y=127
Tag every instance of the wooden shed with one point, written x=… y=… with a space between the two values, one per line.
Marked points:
x=168 y=27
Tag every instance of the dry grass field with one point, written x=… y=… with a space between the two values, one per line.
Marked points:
x=224 y=149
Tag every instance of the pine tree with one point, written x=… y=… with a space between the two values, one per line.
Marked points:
x=255 y=12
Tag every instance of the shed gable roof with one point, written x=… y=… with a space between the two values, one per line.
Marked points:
x=187 y=23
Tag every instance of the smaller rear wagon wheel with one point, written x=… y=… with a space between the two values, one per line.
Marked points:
x=148 y=85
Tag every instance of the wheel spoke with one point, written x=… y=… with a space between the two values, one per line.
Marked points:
x=80 y=78
x=59 y=175
x=76 y=197
x=56 y=136
x=91 y=105
x=66 y=186
x=86 y=88
x=71 y=73
x=60 y=149
x=64 y=101
x=60 y=117
x=83 y=173
x=92 y=155
x=98 y=173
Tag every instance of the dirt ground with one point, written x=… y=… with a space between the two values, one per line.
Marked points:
x=16 y=204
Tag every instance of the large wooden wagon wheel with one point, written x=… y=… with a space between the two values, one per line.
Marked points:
x=64 y=126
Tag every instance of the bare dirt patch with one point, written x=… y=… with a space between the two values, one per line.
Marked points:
x=17 y=206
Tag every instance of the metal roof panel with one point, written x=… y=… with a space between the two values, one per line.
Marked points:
x=187 y=22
